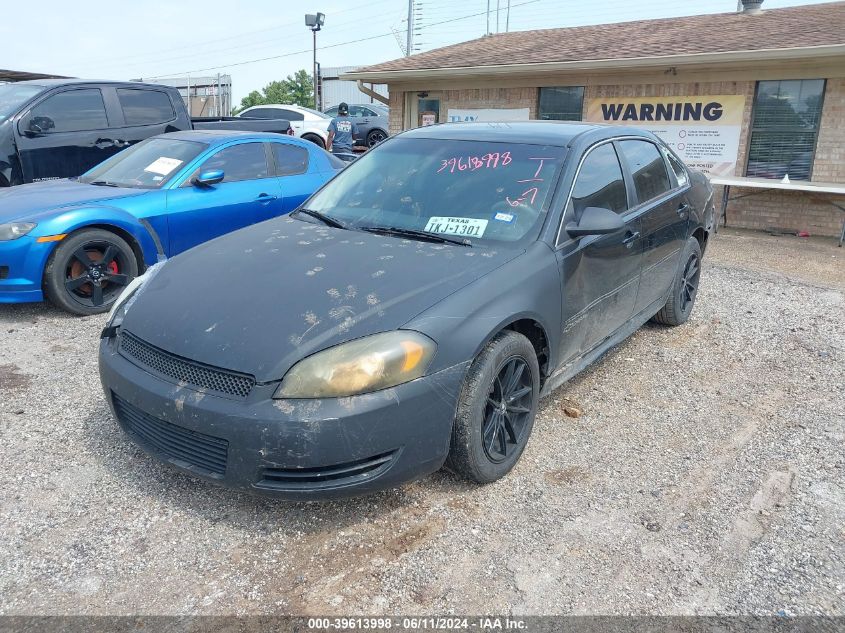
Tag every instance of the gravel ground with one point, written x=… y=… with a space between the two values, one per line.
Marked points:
x=704 y=475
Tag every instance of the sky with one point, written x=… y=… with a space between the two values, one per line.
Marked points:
x=258 y=41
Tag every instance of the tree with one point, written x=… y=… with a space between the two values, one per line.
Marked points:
x=296 y=89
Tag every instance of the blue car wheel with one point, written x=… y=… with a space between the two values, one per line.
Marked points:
x=88 y=271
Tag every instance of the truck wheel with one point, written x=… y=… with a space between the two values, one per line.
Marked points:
x=314 y=139
x=88 y=271
x=496 y=409
x=684 y=289
x=375 y=137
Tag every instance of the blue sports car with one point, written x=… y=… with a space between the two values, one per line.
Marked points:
x=80 y=241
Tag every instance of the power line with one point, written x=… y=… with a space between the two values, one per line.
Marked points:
x=308 y=50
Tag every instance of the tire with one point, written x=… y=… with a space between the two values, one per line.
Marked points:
x=479 y=413
x=89 y=288
x=684 y=288
x=314 y=139
x=374 y=137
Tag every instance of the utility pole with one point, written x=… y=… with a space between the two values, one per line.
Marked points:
x=508 y=18
x=488 y=17
x=409 y=43
x=315 y=23
x=498 y=2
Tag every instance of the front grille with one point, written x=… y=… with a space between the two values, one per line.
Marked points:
x=4 y=272
x=189 y=449
x=326 y=476
x=183 y=370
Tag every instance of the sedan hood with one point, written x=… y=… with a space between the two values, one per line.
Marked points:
x=26 y=201
x=262 y=298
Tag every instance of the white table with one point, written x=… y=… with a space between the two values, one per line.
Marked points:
x=764 y=184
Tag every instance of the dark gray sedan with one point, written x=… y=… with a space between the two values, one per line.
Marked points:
x=411 y=313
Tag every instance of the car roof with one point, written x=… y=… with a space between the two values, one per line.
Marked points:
x=557 y=133
x=52 y=83
x=216 y=137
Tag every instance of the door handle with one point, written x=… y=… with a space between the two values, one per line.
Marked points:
x=630 y=238
x=682 y=210
x=102 y=143
x=265 y=197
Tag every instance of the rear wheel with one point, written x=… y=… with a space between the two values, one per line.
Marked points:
x=375 y=137
x=314 y=139
x=496 y=410
x=684 y=289
x=88 y=271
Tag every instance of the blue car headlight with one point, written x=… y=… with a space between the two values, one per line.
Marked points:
x=14 y=230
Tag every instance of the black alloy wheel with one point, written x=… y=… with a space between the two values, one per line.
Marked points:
x=689 y=282
x=496 y=409
x=375 y=137
x=88 y=271
x=508 y=409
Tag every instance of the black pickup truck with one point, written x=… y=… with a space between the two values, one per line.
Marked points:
x=59 y=128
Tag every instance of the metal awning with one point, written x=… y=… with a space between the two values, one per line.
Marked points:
x=20 y=75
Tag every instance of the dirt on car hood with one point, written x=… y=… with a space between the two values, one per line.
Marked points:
x=262 y=298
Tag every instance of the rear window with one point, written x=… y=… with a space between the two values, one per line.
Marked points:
x=145 y=107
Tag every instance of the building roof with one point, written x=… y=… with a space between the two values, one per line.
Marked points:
x=817 y=29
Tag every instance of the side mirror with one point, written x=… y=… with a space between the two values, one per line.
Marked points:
x=596 y=221
x=210 y=177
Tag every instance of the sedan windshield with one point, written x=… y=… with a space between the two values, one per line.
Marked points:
x=12 y=96
x=147 y=165
x=472 y=190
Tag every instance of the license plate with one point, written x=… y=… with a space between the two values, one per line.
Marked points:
x=468 y=227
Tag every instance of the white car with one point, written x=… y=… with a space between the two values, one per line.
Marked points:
x=307 y=124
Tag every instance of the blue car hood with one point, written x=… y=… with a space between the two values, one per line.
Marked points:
x=260 y=299
x=28 y=201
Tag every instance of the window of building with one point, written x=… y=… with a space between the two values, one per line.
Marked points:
x=71 y=111
x=290 y=159
x=599 y=183
x=145 y=107
x=784 y=128
x=647 y=167
x=563 y=103
x=245 y=161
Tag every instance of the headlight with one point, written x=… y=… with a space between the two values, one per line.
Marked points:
x=129 y=296
x=14 y=230
x=361 y=366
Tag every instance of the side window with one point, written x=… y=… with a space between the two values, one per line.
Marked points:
x=262 y=113
x=72 y=111
x=599 y=183
x=647 y=167
x=357 y=111
x=246 y=161
x=290 y=115
x=290 y=159
x=145 y=107
x=679 y=169
x=332 y=112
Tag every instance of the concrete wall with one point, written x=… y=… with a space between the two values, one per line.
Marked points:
x=782 y=211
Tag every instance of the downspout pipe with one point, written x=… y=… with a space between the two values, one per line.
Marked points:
x=372 y=93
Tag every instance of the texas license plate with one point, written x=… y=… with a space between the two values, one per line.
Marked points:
x=469 y=227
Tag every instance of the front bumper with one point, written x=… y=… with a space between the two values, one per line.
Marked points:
x=22 y=264
x=292 y=449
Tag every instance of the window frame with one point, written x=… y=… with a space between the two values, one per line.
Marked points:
x=126 y=123
x=580 y=111
x=109 y=125
x=752 y=128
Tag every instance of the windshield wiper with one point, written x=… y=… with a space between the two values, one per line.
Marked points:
x=325 y=219
x=414 y=233
x=103 y=183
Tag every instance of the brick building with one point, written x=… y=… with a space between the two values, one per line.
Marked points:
x=780 y=73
